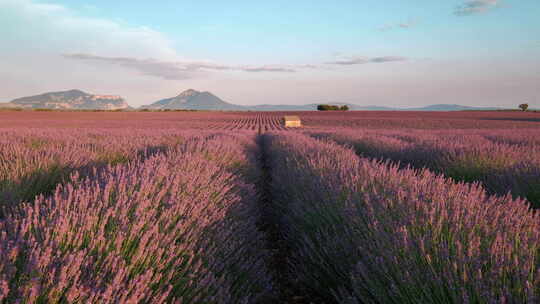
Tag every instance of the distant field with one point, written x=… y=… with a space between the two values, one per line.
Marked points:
x=271 y=120
x=233 y=207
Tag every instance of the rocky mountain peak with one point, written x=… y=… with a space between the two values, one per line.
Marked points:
x=193 y=100
x=71 y=99
x=189 y=93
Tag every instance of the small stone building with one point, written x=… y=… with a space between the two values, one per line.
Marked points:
x=292 y=121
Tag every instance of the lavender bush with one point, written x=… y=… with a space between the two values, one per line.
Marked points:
x=178 y=227
x=34 y=162
x=363 y=231
x=164 y=214
x=478 y=156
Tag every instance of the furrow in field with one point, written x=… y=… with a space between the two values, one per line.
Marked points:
x=288 y=291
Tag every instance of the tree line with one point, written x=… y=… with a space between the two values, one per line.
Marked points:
x=324 y=107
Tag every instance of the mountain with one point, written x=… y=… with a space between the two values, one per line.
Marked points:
x=355 y=107
x=450 y=107
x=269 y=107
x=72 y=99
x=313 y=107
x=194 y=100
x=7 y=105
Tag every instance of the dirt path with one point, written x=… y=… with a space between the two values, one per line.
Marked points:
x=284 y=281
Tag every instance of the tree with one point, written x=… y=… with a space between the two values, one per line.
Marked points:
x=325 y=107
x=524 y=107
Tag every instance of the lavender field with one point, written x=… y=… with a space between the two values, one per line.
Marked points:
x=233 y=207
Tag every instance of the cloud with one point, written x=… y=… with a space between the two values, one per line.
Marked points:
x=364 y=60
x=268 y=69
x=38 y=32
x=51 y=28
x=402 y=25
x=177 y=70
x=46 y=30
x=150 y=67
x=471 y=7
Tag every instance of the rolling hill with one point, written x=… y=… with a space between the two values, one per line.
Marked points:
x=72 y=99
x=194 y=100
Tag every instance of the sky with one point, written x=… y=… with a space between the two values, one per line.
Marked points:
x=368 y=52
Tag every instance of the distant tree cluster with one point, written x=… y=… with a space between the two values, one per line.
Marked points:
x=324 y=107
x=524 y=107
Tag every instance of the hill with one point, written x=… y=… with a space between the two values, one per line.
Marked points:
x=72 y=99
x=194 y=100
x=450 y=107
x=355 y=107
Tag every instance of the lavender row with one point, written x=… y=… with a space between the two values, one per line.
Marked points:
x=364 y=231
x=176 y=228
x=498 y=163
x=33 y=161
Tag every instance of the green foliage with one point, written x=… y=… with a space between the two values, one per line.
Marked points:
x=113 y=158
x=324 y=107
x=533 y=195
x=40 y=181
x=524 y=107
x=36 y=143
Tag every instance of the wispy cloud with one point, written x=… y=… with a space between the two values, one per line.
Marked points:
x=151 y=67
x=471 y=7
x=175 y=70
x=401 y=25
x=53 y=27
x=267 y=69
x=365 y=60
x=178 y=70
